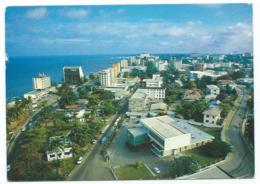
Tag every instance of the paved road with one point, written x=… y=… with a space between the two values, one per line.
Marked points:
x=241 y=164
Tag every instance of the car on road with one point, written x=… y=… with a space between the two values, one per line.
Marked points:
x=79 y=160
x=156 y=170
x=8 y=167
x=94 y=141
x=23 y=129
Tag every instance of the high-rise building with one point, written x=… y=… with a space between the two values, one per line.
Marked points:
x=41 y=82
x=116 y=67
x=124 y=63
x=73 y=74
x=105 y=77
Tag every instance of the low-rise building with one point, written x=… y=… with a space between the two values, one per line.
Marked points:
x=159 y=107
x=138 y=101
x=212 y=89
x=155 y=93
x=211 y=115
x=155 y=82
x=137 y=136
x=169 y=136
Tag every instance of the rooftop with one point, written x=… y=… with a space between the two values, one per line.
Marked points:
x=213 y=111
x=137 y=131
x=168 y=127
x=213 y=87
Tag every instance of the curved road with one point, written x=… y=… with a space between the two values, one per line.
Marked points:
x=241 y=162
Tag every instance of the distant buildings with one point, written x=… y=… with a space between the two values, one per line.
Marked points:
x=161 y=65
x=199 y=67
x=177 y=64
x=168 y=136
x=73 y=74
x=124 y=63
x=41 y=82
x=155 y=82
x=212 y=115
x=105 y=77
x=116 y=69
x=155 y=93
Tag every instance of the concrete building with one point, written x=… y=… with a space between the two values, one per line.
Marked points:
x=170 y=136
x=211 y=115
x=123 y=63
x=155 y=93
x=105 y=77
x=73 y=74
x=60 y=153
x=159 y=107
x=155 y=82
x=161 y=65
x=212 y=89
x=199 y=67
x=116 y=69
x=177 y=64
x=41 y=82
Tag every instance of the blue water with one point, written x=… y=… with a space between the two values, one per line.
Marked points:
x=21 y=70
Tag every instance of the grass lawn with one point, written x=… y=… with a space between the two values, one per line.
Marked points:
x=130 y=172
x=201 y=157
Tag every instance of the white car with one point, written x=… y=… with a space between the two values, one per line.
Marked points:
x=79 y=160
x=156 y=170
x=94 y=141
x=8 y=168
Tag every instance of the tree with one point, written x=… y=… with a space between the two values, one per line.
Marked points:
x=151 y=69
x=216 y=149
x=225 y=108
x=184 y=165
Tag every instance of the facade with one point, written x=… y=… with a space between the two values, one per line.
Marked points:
x=170 y=136
x=59 y=154
x=155 y=93
x=177 y=64
x=137 y=136
x=161 y=65
x=155 y=82
x=116 y=69
x=105 y=78
x=199 y=67
x=211 y=115
x=41 y=82
x=124 y=63
x=212 y=89
x=73 y=74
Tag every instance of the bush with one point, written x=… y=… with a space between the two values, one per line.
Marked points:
x=216 y=149
x=184 y=165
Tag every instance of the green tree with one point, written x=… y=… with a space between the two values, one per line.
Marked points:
x=183 y=165
x=216 y=149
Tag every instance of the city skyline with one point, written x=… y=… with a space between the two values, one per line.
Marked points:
x=128 y=29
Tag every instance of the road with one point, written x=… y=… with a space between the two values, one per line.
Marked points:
x=29 y=122
x=93 y=166
x=241 y=163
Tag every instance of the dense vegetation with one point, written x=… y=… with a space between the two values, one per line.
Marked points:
x=184 y=165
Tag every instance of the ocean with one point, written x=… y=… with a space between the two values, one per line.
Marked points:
x=21 y=70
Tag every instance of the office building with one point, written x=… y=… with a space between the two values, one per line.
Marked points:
x=105 y=77
x=73 y=74
x=41 y=82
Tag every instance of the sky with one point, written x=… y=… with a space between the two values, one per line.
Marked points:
x=128 y=29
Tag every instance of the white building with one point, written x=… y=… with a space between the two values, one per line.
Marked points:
x=155 y=82
x=177 y=64
x=105 y=77
x=211 y=115
x=155 y=93
x=161 y=65
x=212 y=89
x=41 y=82
x=170 y=136
x=60 y=154
x=137 y=102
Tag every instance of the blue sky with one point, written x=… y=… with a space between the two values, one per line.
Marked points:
x=129 y=29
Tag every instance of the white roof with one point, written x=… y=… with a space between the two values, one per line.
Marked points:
x=168 y=127
x=213 y=87
x=213 y=111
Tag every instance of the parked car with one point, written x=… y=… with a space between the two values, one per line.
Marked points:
x=94 y=141
x=79 y=160
x=156 y=170
x=23 y=129
x=8 y=167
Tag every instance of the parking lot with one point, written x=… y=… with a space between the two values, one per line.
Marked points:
x=120 y=155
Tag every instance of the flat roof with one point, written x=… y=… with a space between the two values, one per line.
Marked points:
x=137 y=131
x=162 y=126
x=168 y=127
